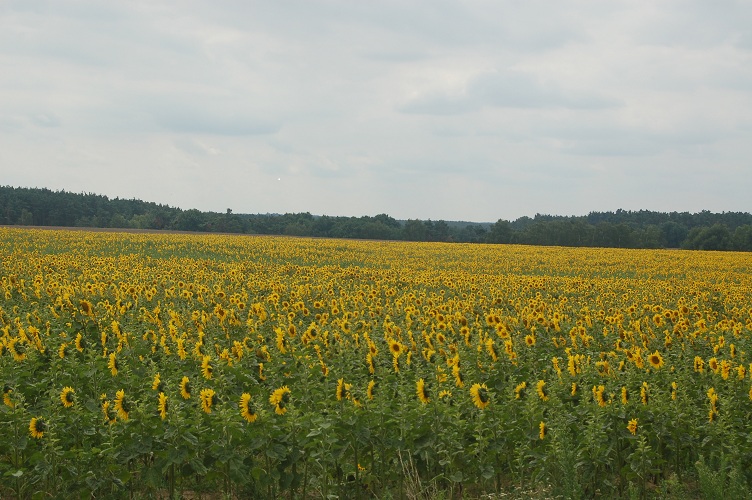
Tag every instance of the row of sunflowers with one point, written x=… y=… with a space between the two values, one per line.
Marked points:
x=155 y=364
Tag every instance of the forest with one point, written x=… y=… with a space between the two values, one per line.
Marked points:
x=620 y=229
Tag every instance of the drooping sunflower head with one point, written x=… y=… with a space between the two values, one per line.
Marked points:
x=66 y=396
x=246 y=411
x=80 y=342
x=540 y=388
x=371 y=389
x=542 y=430
x=208 y=400
x=519 y=390
x=37 y=427
x=122 y=405
x=185 y=388
x=279 y=398
x=480 y=396
x=206 y=368
x=112 y=364
x=162 y=405
x=157 y=384
x=421 y=391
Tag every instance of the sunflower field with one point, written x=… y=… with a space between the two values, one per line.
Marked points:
x=173 y=365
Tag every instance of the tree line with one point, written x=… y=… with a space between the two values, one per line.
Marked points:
x=623 y=229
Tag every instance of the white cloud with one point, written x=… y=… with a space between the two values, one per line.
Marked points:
x=457 y=110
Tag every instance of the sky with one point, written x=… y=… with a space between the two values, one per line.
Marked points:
x=437 y=109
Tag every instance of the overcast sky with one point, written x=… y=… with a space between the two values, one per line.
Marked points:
x=473 y=110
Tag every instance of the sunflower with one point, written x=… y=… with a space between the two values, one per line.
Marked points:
x=112 y=364
x=206 y=368
x=80 y=342
x=491 y=349
x=656 y=360
x=644 y=395
x=530 y=340
x=121 y=404
x=6 y=397
x=61 y=350
x=573 y=392
x=540 y=388
x=208 y=399
x=713 y=364
x=699 y=364
x=479 y=394
x=107 y=411
x=279 y=398
x=459 y=380
x=66 y=396
x=245 y=408
x=632 y=426
x=162 y=405
x=519 y=390
x=343 y=389
x=395 y=348
x=157 y=384
x=86 y=308
x=598 y=395
x=421 y=391
x=542 y=430
x=624 y=395
x=37 y=427
x=185 y=388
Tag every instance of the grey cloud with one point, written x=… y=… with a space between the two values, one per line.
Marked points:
x=505 y=89
x=45 y=120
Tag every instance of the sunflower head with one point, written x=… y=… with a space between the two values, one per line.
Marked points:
x=245 y=408
x=162 y=405
x=66 y=396
x=421 y=391
x=37 y=427
x=632 y=426
x=185 y=388
x=479 y=394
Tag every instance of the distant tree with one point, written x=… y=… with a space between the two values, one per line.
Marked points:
x=715 y=237
x=742 y=239
x=501 y=232
x=415 y=230
x=26 y=218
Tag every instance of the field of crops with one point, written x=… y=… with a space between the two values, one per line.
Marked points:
x=162 y=365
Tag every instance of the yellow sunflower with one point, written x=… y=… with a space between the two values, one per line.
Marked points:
x=540 y=388
x=245 y=408
x=206 y=368
x=656 y=360
x=632 y=426
x=112 y=364
x=121 y=404
x=162 y=405
x=479 y=394
x=371 y=387
x=66 y=396
x=422 y=392
x=279 y=398
x=542 y=430
x=185 y=388
x=208 y=400
x=37 y=427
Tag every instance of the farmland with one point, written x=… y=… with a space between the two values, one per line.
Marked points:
x=161 y=364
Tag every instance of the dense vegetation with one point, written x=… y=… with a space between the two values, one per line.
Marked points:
x=216 y=366
x=620 y=229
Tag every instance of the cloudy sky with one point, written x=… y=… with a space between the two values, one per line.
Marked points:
x=455 y=110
